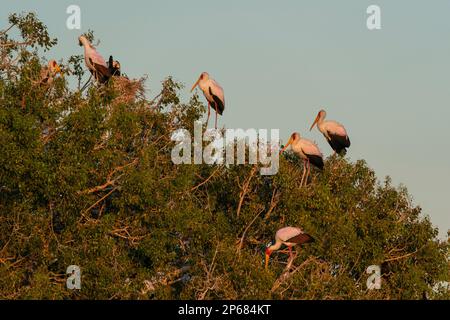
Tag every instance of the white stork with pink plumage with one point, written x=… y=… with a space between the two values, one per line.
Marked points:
x=49 y=72
x=290 y=237
x=94 y=61
x=213 y=92
x=333 y=131
x=308 y=151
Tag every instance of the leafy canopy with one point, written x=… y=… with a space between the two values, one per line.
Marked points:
x=87 y=179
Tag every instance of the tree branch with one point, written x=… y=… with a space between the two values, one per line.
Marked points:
x=7 y=29
x=244 y=189
x=204 y=182
x=109 y=181
x=401 y=257
x=241 y=242
x=286 y=274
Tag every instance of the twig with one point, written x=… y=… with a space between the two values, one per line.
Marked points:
x=401 y=257
x=206 y=181
x=101 y=199
x=7 y=29
x=19 y=44
x=396 y=249
x=4 y=260
x=286 y=274
x=209 y=273
x=241 y=242
x=124 y=234
x=244 y=189
x=154 y=99
x=109 y=181
x=273 y=203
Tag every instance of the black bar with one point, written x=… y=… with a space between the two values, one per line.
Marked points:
x=223 y=309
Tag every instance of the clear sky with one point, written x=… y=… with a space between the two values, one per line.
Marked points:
x=281 y=61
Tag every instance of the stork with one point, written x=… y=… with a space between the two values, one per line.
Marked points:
x=213 y=92
x=94 y=61
x=290 y=237
x=334 y=133
x=49 y=72
x=114 y=67
x=46 y=77
x=308 y=151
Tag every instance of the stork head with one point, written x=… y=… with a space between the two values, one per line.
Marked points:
x=113 y=64
x=53 y=67
x=294 y=137
x=203 y=77
x=268 y=252
x=321 y=115
x=116 y=65
x=83 y=41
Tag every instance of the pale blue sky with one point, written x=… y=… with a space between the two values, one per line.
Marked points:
x=281 y=61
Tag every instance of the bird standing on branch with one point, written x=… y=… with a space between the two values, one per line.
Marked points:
x=308 y=151
x=94 y=61
x=333 y=131
x=213 y=93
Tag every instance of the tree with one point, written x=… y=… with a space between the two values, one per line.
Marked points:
x=87 y=179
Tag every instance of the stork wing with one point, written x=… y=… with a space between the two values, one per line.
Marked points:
x=217 y=90
x=102 y=70
x=301 y=238
x=96 y=58
x=309 y=147
x=288 y=232
x=335 y=128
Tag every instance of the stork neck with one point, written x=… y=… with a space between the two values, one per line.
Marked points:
x=203 y=84
x=86 y=44
x=276 y=246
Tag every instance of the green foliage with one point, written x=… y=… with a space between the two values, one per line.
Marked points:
x=88 y=180
x=33 y=31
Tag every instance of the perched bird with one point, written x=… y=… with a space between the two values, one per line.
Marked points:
x=114 y=67
x=46 y=77
x=49 y=72
x=289 y=236
x=94 y=61
x=213 y=93
x=333 y=131
x=308 y=151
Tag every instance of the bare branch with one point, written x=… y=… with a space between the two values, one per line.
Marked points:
x=206 y=181
x=241 y=242
x=244 y=189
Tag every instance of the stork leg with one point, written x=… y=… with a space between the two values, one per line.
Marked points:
x=86 y=84
x=290 y=251
x=209 y=113
x=308 y=173
x=304 y=172
x=215 y=108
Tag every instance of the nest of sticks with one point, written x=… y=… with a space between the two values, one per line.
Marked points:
x=129 y=91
